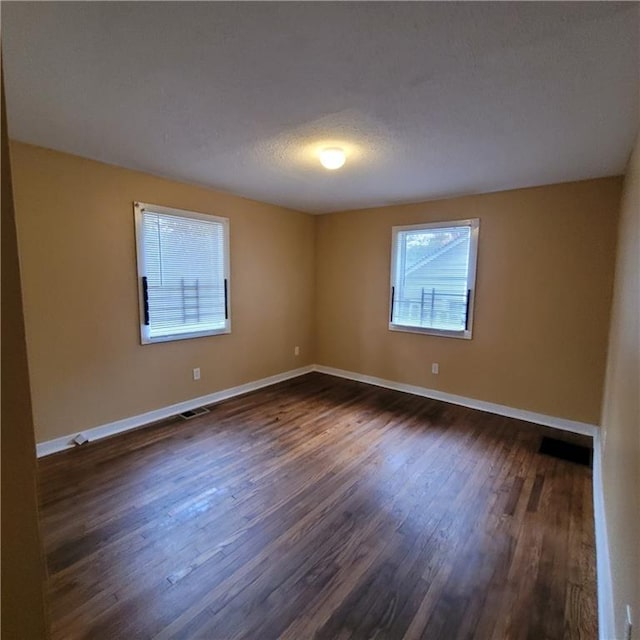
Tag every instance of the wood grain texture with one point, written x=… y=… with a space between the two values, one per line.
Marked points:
x=320 y=508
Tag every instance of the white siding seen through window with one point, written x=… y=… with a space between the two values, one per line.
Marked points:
x=433 y=278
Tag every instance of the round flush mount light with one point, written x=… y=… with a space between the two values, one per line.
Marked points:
x=332 y=158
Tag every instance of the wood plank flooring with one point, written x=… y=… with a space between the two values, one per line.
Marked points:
x=320 y=508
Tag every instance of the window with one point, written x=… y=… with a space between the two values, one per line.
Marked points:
x=433 y=269
x=183 y=269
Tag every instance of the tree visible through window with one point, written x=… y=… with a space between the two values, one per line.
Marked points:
x=432 y=277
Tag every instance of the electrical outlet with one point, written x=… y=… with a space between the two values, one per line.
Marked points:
x=196 y=373
x=435 y=368
x=296 y=351
x=628 y=624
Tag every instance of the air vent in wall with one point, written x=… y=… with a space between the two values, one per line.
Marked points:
x=193 y=413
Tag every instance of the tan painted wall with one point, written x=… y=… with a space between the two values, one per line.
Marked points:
x=621 y=414
x=23 y=570
x=77 y=245
x=544 y=289
x=544 y=286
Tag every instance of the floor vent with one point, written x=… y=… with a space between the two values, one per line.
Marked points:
x=193 y=413
x=566 y=451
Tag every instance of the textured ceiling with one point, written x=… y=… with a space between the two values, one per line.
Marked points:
x=428 y=99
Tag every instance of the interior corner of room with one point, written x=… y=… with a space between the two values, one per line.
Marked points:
x=551 y=331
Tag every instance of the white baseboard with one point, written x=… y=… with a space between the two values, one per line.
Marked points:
x=499 y=409
x=126 y=424
x=606 y=615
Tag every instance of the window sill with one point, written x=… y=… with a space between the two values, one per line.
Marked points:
x=186 y=336
x=461 y=335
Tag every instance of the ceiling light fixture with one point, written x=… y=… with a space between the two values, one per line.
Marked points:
x=332 y=158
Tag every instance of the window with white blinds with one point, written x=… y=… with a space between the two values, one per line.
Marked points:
x=183 y=269
x=433 y=270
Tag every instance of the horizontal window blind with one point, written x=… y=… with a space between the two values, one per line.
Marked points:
x=185 y=284
x=431 y=277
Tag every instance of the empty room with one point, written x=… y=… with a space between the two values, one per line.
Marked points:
x=320 y=320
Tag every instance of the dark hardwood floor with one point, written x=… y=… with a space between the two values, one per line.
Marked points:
x=320 y=508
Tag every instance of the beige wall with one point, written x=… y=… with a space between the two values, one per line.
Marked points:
x=544 y=286
x=621 y=414
x=545 y=272
x=77 y=246
x=23 y=571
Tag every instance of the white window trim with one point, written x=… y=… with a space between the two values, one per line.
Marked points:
x=139 y=208
x=467 y=333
